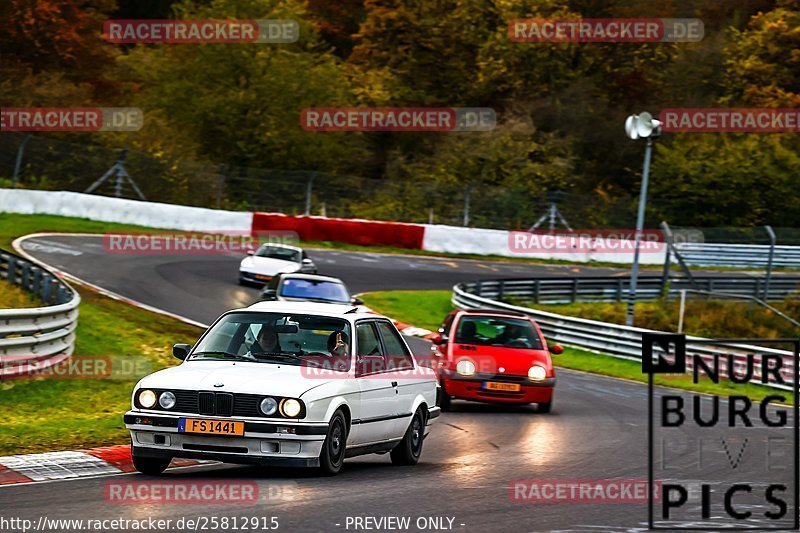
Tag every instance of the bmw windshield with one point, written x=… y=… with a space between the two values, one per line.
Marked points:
x=277 y=338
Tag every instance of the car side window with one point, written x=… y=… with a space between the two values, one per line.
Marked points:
x=367 y=340
x=397 y=355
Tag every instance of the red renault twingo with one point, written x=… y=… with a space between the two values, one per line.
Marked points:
x=494 y=356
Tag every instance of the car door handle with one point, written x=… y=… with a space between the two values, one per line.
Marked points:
x=394 y=384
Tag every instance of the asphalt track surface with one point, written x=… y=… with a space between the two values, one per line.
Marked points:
x=597 y=430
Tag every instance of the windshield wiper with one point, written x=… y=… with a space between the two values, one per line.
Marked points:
x=226 y=355
x=276 y=354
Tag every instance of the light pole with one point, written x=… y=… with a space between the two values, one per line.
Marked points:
x=636 y=126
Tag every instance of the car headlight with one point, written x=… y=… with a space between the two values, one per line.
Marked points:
x=290 y=408
x=537 y=373
x=167 y=400
x=465 y=367
x=268 y=406
x=147 y=398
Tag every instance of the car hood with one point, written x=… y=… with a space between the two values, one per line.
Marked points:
x=489 y=359
x=268 y=265
x=236 y=376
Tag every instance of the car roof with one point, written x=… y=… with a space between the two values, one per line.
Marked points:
x=500 y=312
x=312 y=277
x=347 y=312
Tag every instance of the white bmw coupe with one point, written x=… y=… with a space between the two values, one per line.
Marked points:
x=286 y=383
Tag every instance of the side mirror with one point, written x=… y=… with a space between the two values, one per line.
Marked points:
x=439 y=339
x=181 y=351
x=556 y=349
x=268 y=294
x=356 y=301
x=308 y=261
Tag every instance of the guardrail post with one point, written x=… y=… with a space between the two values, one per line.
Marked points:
x=620 y=289
x=537 y=287
x=47 y=287
x=478 y=287
x=770 y=258
x=24 y=279
x=11 y=276
x=667 y=257
x=36 y=283
x=574 y=290
x=500 y=288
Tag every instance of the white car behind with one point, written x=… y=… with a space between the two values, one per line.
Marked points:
x=270 y=260
x=277 y=384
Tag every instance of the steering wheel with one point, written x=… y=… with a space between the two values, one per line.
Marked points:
x=516 y=343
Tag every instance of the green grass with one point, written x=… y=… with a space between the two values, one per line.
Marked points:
x=424 y=309
x=41 y=414
x=13 y=297
x=13 y=226
x=428 y=308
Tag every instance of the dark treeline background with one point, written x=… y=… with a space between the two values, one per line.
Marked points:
x=560 y=107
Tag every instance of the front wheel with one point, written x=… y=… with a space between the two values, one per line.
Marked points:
x=333 y=449
x=444 y=399
x=152 y=466
x=410 y=448
x=544 y=407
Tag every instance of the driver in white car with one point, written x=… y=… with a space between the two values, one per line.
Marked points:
x=266 y=341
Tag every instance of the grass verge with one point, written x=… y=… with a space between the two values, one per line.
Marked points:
x=45 y=414
x=13 y=297
x=428 y=308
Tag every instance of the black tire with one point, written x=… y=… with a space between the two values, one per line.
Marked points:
x=544 y=407
x=444 y=399
x=333 y=449
x=409 y=450
x=153 y=466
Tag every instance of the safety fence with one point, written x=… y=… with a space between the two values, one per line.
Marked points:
x=739 y=255
x=37 y=337
x=611 y=339
x=615 y=289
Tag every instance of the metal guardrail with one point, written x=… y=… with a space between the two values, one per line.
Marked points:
x=738 y=255
x=36 y=337
x=615 y=289
x=611 y=339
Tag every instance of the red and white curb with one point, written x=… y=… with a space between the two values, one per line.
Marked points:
x=54 y=466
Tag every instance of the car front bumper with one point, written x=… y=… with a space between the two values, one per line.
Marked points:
x=263 y=443
x=252 y=277
x=473 y=388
